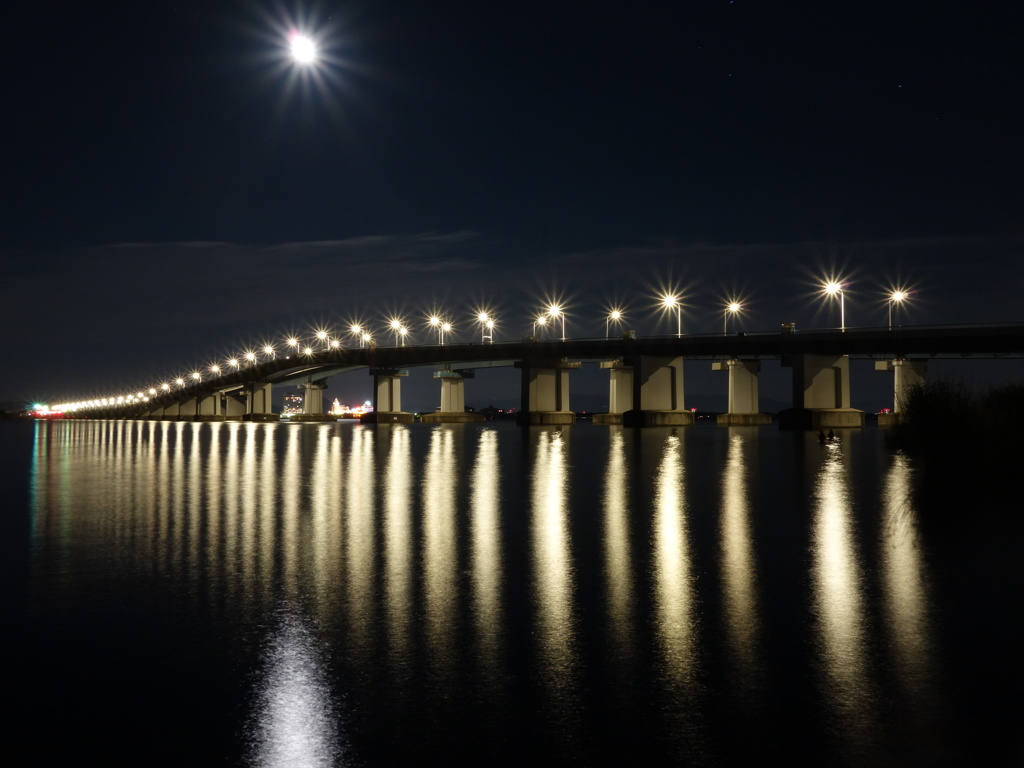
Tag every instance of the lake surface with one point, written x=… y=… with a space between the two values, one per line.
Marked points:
x=338 y=594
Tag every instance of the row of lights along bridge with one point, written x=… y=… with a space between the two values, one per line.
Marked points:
x=553 y=316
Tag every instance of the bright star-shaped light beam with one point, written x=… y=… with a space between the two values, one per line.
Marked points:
x=302 y=48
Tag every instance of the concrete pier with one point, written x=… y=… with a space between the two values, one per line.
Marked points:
x=744 y=409
x=645 y=391
x=387 y=398
x=821 y=393
x=258 y=405
x=545 y=392
x=906 y=374
x=453 y=400
x=313 y=397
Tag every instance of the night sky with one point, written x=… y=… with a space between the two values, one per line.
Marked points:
x=175 y=188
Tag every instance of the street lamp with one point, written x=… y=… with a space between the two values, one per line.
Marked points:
x=615 y=316
x=269 y=351
x=732 y=308
x=670 y=303
x=357 y=331
x=435 y=322
x=322 y=337
x=833 y=288
x=396 y=327
x=555 y=312
x=403 y=332
x=896 y=297
x=486 y=327
x=542 y=321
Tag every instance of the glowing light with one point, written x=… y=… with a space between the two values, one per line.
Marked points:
x=233 y=362
x=898 y=296
x=250 y=356
x=302 y=48
x=614 y=316
x=292 y=342
x=834 y=288
x=672 y=302
x=732 y=308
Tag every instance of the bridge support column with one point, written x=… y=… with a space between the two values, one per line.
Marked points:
x=545 y=392
x=258 y=405
x=657 y=393
x=821 y=393
x=743 y=400
x=620 y=392
x=387 y=398
x=313 y=397
x=233 y=407
x=207 y=407
x=906 y=374
x=453 y=400
x=312 y=403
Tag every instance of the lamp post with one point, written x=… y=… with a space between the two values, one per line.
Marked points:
x=542 y=321
x=555 y=312
x=357 y=331
x=270 y=352
x=834 y=288
x=732 y=308
x=435 y=321
x=670 y=303
x=896 y=297
x=615 y=316
x=486 y=327
x=323 y=338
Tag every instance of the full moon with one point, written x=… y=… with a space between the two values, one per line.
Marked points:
x=303 y=49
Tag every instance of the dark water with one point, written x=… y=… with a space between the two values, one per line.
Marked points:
x=230 y=594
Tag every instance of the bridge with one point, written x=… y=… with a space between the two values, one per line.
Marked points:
x=645 y=375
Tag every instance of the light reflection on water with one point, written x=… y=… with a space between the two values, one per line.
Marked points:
x=553 y=573
x=617 y=544
x=295 y=721
x=837 y=586
x=739 y=567
x=486 y=557
x=673 y=575
x=432 y=581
